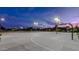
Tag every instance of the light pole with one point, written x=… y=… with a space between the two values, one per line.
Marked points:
x=1 y=20
x=57 y=22
x=35 y=24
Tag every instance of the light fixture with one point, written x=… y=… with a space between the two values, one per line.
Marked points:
x=35 y=23
x=2 y=19
x=57 y=20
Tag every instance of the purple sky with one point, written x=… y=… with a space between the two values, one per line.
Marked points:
x=23 y=16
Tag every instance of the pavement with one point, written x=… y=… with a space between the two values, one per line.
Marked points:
x=38 y=41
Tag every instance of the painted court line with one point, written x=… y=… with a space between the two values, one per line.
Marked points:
x=35 y=42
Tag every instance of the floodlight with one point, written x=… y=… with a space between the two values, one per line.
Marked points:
x=35 y=23
x=2 y=19
x=57 y=20
x=21 y=27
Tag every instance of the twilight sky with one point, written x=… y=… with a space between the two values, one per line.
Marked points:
x=26 y=16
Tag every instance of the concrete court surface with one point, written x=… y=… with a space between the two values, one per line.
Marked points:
x=38 y=41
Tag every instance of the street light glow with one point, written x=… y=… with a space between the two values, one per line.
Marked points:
x=2 y=19
x=21 y=27
x=57 y=20
x=36 y=23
